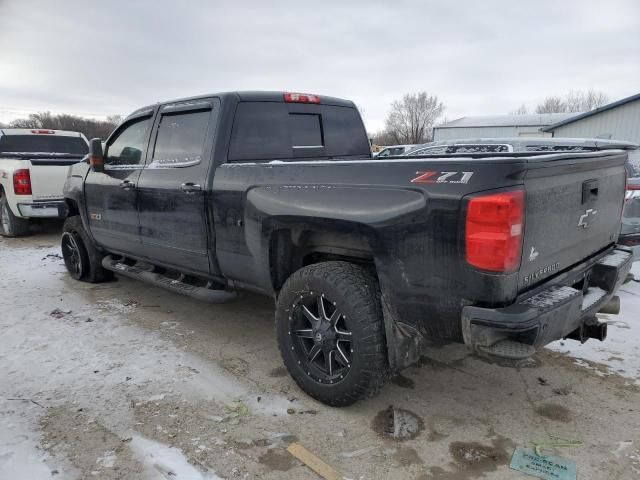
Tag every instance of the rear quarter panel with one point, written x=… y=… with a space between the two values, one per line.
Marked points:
x=410 y=219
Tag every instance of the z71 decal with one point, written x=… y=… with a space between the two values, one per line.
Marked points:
x=442 y=177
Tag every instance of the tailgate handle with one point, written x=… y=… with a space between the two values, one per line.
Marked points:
x=589 y=191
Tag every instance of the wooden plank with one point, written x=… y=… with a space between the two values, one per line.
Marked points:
x=314 y=463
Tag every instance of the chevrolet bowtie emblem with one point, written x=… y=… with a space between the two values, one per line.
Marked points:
x=586 y=219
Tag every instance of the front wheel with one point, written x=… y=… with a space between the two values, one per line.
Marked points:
x=11 y=226
x=331 y=332
x=82 y=259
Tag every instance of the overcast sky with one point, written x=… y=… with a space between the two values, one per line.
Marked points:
x=97 y=58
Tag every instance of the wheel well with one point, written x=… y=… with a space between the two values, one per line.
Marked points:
x=292 y=249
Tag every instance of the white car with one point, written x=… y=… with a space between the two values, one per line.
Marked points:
x=33 y=170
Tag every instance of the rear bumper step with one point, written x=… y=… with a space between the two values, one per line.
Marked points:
x=205 y=294
x=557 y=312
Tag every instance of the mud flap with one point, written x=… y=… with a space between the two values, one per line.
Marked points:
x=405 y=344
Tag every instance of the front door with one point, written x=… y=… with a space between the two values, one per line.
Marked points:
x=172 y=187
x=111 y=196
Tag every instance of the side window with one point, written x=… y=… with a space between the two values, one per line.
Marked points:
x=384 y=153
x=129 y=145
x=180 y=139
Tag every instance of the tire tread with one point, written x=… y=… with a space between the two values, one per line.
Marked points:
x=95 y=272
x=361 y=285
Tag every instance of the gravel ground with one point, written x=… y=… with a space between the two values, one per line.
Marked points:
x=124 y=380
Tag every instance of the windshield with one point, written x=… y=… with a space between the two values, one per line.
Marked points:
x=43 y=144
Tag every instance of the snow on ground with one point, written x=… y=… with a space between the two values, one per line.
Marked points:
x=620 y=352
x=168 y=461
x=80 y=363
x=114 y=364
x=20 y=457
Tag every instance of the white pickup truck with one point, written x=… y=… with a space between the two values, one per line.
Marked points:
x=33 y=169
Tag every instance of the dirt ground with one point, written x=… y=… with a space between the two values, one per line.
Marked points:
x=124 y=380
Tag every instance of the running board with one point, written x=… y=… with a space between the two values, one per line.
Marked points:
x=204 y=294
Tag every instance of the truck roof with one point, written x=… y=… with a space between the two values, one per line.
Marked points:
x=39 y=131
x=250 y=96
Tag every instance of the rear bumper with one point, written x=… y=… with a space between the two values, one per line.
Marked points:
x=42 y=210
x=551 y=313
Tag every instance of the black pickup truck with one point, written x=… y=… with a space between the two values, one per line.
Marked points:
x=369 y=261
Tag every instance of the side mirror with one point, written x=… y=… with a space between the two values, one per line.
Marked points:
x=96 y=158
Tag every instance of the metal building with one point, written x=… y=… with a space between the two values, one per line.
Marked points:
x=616 y=121
x=499 y=126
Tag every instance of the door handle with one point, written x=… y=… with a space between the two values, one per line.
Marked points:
x=190 y=187
x=127 y=185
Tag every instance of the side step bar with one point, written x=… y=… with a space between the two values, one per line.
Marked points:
x=200 y=293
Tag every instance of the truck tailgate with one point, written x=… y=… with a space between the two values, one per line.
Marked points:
x=573 y=210
x=47 y=181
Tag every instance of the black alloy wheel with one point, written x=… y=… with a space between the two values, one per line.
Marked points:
x=72 y=255
x=331 y=333
x=323 y=338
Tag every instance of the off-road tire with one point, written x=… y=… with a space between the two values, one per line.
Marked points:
x=91 y=270
x=356 y=292
x=10 y=225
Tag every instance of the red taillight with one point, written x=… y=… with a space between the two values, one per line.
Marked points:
x=22 y=182
x=43 y=132
x=633 y=186
x=301 y=98
x=494 y=229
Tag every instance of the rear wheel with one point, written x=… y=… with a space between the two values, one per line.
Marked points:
x=11 y=226
x=331 y=332
x=82 y=259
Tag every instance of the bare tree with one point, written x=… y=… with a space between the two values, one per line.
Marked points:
x=551 y=105
x=90 y=127
x=579 y=101
x=574 y=101
x=595 y=99
x=411 y=119
x=521 y=110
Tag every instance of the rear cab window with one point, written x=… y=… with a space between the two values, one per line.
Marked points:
x=43 y=143
x=290 y=131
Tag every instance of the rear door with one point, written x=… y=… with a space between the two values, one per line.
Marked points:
x=573 y=209
x=111 y=196
x=172 y=188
